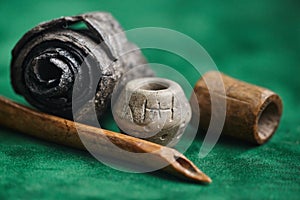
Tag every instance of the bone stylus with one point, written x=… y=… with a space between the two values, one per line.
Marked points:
x=65 y=132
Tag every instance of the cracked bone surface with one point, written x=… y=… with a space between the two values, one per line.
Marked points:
x=154 y=109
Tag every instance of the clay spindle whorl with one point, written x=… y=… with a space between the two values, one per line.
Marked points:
x=47 y=59
x=153 y=109
x=252 y=112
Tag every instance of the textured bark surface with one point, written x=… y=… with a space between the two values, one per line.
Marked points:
x=252 y=113
x=154 y=109
x=99 y=141
x=48 y=58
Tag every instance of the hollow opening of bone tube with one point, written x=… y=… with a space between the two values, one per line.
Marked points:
x=268 y=121
x=154 y=86
x=47 y=71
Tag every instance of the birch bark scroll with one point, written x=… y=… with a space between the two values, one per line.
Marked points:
x=47 y=59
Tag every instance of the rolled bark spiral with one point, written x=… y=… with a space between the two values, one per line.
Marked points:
x=47 y=59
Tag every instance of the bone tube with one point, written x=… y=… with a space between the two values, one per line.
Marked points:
x=252 y=112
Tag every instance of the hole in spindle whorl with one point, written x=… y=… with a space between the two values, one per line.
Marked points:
x=154 y=86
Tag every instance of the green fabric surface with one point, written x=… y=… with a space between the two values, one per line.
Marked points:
x=256 y=41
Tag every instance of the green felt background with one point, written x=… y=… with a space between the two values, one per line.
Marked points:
x=257 y=41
